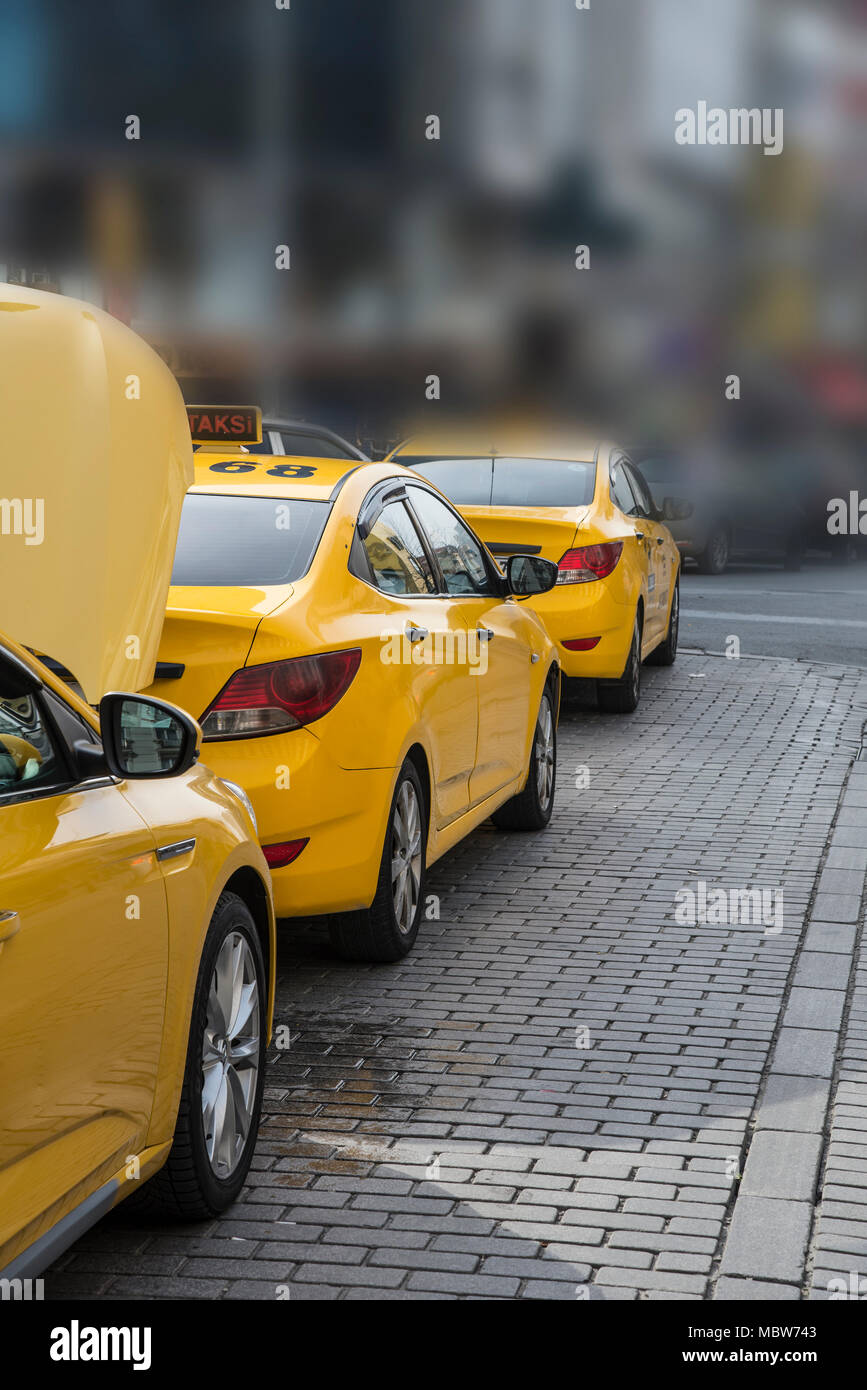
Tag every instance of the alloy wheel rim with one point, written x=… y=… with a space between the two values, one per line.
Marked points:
x=406 y=852
x=544 y=748
x=230 y=1055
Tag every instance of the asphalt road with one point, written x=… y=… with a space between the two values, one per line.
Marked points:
x=817 y=614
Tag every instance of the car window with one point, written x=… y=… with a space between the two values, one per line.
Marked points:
x=396 y=555
x=538 y=482
x=29 y=759
x=640 y=489
x=621 y=492
x=246 y=541
x=466 y=481
x=458 y=553
x=662 y=473
x=314 y=446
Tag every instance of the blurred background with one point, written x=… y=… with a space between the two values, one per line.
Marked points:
x=306 y=128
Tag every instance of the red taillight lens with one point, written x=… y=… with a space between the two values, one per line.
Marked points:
x=582 y=644
x=589 y=562
x=281 y=695
x=278 y=856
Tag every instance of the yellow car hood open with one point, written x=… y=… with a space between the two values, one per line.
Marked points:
x=95 y=459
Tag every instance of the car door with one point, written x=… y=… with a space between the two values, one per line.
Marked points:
x=501 y=648
x=660 y=551
x=642 y=544
x=421 y=632
x=83 y=960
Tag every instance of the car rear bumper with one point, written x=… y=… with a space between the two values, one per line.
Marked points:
x=299 y=792
x=576 y=611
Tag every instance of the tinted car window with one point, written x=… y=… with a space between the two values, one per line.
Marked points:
x=522 y=482
x=396 y=555
x=621 y=492
x=466 y=481
x=29 y=761
x=641 y=491
x=457 y=551
x=236 y=540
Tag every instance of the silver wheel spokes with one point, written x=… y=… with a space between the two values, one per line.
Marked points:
x=230 y=1055
x=544 y=754
x=406 y=850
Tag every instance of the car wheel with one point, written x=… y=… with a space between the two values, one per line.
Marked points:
x=715 y=556
x=622 y=696
x=387 y=929
x=531 y=808
x=666 y=653
x=218 y=1117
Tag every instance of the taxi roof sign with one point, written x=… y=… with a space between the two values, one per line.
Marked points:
x=225 y=424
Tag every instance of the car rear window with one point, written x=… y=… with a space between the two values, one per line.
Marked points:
x=527 y=482
x=246 y=541
x=508 y=482
x=466 y=481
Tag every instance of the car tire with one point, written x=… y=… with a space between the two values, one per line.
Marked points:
x=622 y=696
x=715 y=556
x=209 y=1161
x=666 y=653
x=386 y=931
x=531 y=809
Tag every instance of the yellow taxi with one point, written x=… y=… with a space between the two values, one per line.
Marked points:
x=136 y=920
x=361 y=666
x=583 y=505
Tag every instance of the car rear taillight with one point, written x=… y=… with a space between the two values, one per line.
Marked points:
x=278 y=856
x=280 y=696
x=589 y=562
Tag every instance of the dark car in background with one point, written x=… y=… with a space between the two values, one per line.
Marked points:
x=722 y=509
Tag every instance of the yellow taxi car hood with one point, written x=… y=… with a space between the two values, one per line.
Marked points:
x=95 y=459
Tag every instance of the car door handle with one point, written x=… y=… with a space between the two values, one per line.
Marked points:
x=10 y=923
x=485 y=634
x=416 y=634
x=639 y=536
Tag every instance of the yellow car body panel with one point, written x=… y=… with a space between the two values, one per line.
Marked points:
x=95 y=458
x=100 y=939
x=645 y=575
x=96 y=986
x=331 y=782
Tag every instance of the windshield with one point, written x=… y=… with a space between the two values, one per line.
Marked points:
x=246 y=541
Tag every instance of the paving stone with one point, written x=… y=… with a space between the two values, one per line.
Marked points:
x=782 y=1163
x=805 y=1052
x=768 y=1239
x=794 y=1103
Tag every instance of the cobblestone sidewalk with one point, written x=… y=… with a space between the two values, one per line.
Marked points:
x=567 y=1090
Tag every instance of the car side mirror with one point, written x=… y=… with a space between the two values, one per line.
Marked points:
x=530 y=574
x=143 y=737
x=676 y=509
